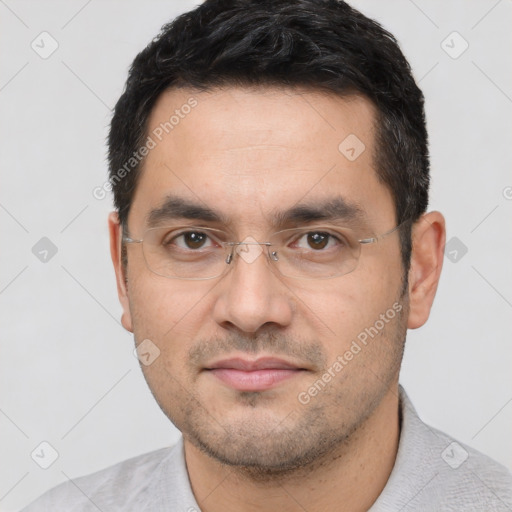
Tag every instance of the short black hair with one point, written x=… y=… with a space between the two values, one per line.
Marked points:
x=320 y=44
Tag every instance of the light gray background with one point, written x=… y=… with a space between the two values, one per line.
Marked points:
x=68 y=374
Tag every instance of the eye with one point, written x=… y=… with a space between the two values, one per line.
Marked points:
x=190 y=240
x=316 y=240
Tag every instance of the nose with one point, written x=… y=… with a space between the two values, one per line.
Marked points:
x=250 y=295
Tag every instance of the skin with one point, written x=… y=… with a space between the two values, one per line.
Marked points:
x=245 y=153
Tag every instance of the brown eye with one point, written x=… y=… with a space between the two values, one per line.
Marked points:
x=190 y=240
x=194 y=240
x=318 y=240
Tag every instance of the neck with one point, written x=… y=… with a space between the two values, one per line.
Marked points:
x=350 y=478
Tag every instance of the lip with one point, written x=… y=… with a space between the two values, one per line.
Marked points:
x=247 y=365
x=253 y=375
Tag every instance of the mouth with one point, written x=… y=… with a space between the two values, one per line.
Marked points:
x=254 y=375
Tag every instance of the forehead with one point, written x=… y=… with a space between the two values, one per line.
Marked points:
x=245 y=152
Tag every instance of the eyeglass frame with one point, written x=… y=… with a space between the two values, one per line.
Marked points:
x=363 y=241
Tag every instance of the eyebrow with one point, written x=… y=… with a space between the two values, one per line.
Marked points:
x=176 y=207
x=334 y=209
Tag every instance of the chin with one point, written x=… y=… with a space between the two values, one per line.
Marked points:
x=262 y=446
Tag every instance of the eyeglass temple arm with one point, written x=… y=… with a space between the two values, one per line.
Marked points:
x=128 y=240
x=374 y=239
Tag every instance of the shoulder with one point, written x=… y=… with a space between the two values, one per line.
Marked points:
x=468 y=478
x=118 y=487
x=433 y=471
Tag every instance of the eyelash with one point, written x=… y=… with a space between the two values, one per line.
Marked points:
x=171 y=238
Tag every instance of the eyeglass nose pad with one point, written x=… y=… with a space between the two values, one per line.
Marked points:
x=274 y=256
x=229 y=258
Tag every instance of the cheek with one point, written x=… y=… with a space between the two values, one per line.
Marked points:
x=156 y=302
x=339 y=310
x=167 y=316
x=379 y=272
x=168 y=312
x=334 y=311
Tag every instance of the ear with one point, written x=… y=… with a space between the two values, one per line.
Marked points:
x=428 y=240
x=115 y=231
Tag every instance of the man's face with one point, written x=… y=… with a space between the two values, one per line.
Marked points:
x=248 y=155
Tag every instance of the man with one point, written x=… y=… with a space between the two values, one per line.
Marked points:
x=269 y=166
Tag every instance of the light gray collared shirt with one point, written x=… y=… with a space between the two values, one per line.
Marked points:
x=432 y=472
